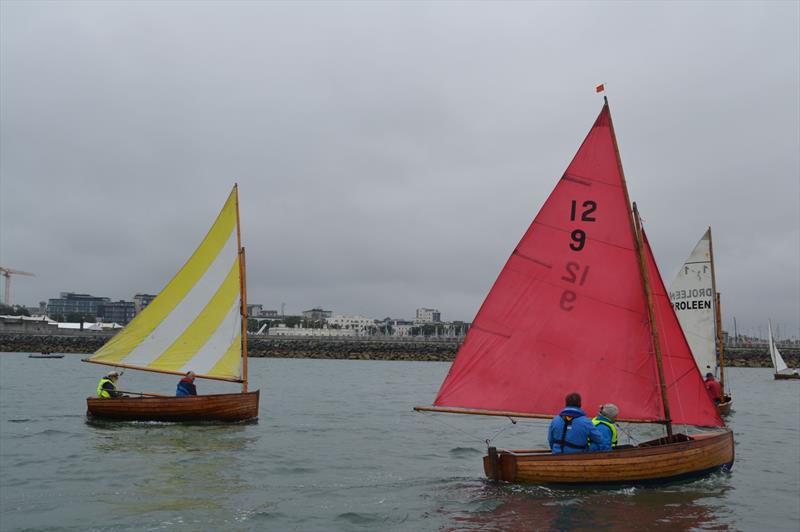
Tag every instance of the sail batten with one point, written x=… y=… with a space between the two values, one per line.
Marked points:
x=194 y=324
x=581 y=323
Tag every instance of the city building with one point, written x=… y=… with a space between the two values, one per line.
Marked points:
x=317 y=314
x=116 y=311
x=357 y=323
x=257 y=311
x=428 y=315
x=27 y=325
x=283 y=330
x=41 y=310
x=396 y=327
x=72 y=303
x=140 y=301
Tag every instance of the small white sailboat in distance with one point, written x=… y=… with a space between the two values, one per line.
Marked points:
x=695 y=299
x=782 y=371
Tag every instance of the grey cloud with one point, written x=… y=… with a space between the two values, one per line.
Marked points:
x=389 y=155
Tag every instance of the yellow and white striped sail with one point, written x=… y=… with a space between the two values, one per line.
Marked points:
x=195 y=322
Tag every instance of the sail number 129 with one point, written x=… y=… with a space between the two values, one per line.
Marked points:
x=576 y=274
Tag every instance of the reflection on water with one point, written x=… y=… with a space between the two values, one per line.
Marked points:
x=337 y=448
x=156 y=437
x=505 y=507
x=187 y=466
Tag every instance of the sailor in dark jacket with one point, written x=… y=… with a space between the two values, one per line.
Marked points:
x=571 y=431
x=186 y=385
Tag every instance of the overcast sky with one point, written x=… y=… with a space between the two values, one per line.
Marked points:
x=390 y=155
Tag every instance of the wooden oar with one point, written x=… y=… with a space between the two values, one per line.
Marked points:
x=144 y=394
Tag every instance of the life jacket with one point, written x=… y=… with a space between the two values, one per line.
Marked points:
x=563 y=441
x=103 y=393
x=611 y=426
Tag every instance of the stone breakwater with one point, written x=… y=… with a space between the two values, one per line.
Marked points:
x=442 y=350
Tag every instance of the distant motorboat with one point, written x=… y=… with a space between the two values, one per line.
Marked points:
x=45 y=354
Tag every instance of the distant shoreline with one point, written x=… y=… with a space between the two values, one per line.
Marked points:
x=340 y=348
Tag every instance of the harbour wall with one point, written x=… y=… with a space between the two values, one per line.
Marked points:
x=345 y=348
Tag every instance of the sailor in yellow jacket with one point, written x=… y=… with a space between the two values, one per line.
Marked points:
x=605 y=421
x=107 y=387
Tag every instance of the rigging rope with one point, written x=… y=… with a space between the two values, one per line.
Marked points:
x=472 y=436
x=629 y=435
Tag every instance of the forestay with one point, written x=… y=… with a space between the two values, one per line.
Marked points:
x=568 y=312
x=692 y=295
x=194 y=324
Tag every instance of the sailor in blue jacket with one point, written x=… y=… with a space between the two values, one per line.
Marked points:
x=186 y=385
x=571 y=431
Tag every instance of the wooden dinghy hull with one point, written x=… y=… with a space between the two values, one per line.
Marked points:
x=724 y=408
x=785 y=376
x=218 y=407
x=648 y=463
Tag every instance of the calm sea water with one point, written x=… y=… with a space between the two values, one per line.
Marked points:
x=337 y=447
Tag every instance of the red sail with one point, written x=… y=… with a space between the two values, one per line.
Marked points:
x=567 y=312
x=688 y=400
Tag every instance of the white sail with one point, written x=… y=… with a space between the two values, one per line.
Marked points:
x=194 y=324
x=777 y=359
x=692 y=296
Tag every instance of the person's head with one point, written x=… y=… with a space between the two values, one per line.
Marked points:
x=190 y=375
x=573 y=399
x=709 y=376
x=610 y=411
x=113 y=376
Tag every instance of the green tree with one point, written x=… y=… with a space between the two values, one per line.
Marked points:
x=13 y=310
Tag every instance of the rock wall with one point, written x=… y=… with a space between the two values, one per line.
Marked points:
x=338 y=348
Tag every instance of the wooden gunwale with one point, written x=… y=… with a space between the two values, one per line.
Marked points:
x=214 y=407
x=786 y=376
x=703 y=453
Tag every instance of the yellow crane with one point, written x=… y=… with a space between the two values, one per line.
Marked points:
x=7 y=273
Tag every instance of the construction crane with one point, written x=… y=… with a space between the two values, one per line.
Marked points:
x=7 y=273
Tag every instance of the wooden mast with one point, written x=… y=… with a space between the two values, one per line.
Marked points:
x=717 y=315
x=652 y=315
x=242 y=293
x=637 y=238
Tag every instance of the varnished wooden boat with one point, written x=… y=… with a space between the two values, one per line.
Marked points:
x=724 y=408
x=784 y=376
x=219 y=407
x=653 y=461
x=197 y=310
x=546 y=313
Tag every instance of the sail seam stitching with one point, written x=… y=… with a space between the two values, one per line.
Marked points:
x=574 y=179
x=490 y=332
x=527 y=257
